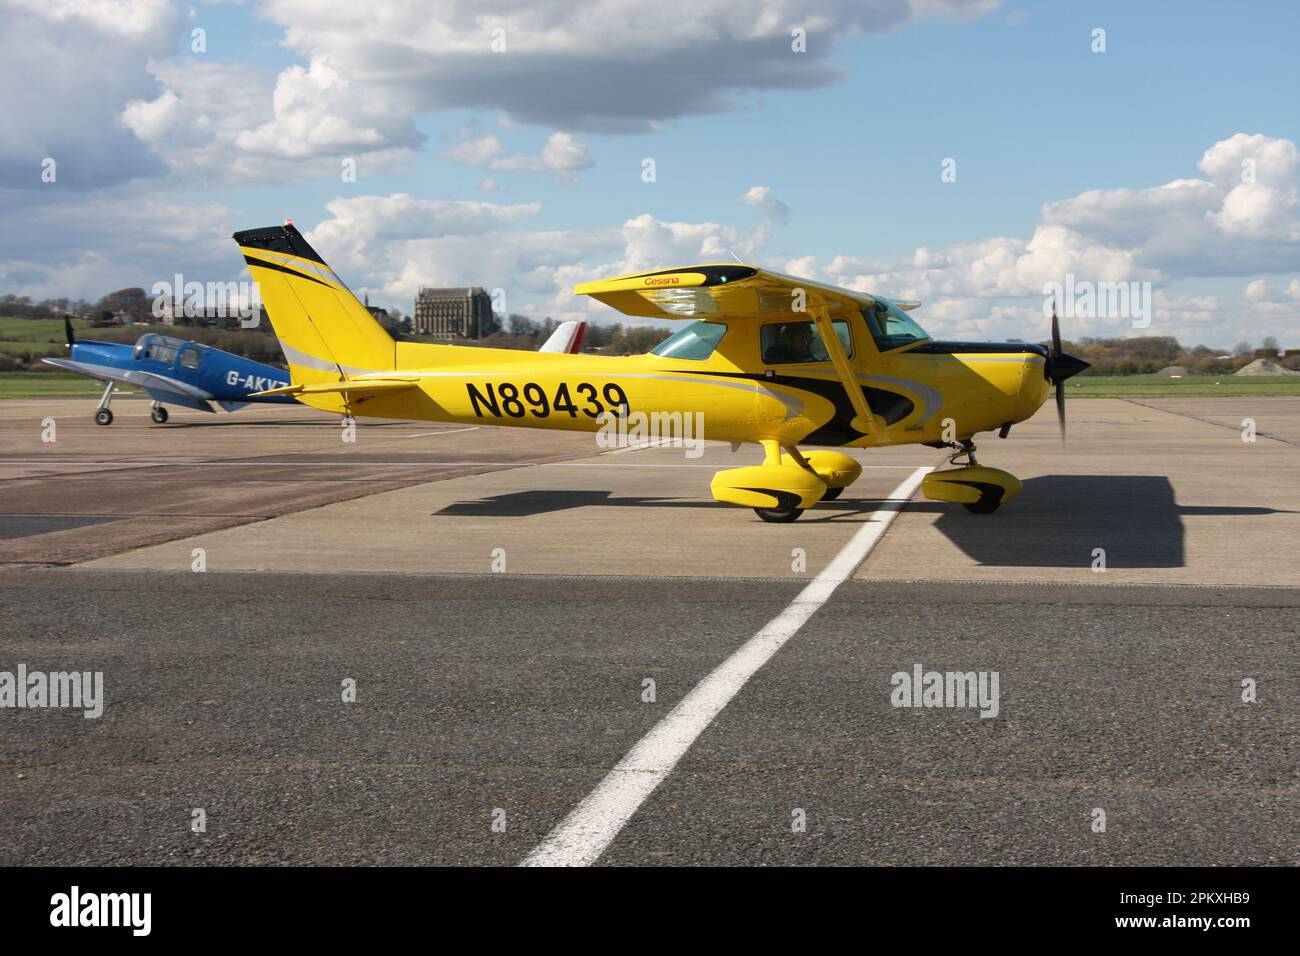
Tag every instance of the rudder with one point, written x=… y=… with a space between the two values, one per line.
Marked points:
x=324 y=330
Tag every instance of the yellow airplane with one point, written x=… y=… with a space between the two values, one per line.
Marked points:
x=765 y=358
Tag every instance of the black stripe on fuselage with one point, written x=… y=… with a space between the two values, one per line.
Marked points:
x=285 y=269
x=961 y=348
x=839 y=430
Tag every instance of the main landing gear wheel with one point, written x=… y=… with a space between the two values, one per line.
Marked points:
x=982 y=507
x=103 y=417
x=832 y=494
x=779 y=515
x=159 y=415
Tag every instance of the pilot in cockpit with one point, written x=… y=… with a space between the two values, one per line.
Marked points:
x=793 y=344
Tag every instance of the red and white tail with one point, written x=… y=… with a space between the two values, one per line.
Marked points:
x=567 y=337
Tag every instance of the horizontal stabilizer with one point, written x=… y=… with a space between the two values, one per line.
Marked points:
x=352 y=386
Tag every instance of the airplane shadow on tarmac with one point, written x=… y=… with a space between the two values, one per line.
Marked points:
x=523 y=504
x=1056 y=522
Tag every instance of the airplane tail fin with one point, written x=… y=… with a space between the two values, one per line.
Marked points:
x=324 y=330
x=567 y=338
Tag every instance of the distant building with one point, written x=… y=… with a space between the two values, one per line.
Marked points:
x=380 y=314
x=453 y=313
x=172 y=311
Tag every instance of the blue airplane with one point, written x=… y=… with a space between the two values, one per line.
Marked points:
x=173 y=372
x=176 y=372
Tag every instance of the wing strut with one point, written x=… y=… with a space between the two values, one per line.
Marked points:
x=865 y=421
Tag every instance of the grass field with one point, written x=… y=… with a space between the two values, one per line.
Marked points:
x=40 y=336
x=1156 y=386
x=42 y=384
x=35 y=330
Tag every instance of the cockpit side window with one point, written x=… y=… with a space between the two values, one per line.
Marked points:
x=190 y=358
x=161 y=353
x=790 y=343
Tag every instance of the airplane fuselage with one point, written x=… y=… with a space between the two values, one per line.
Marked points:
x=925 y=393
x=175 y=372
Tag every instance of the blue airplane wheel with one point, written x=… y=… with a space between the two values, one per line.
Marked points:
x=103 y=417
x=159 y=414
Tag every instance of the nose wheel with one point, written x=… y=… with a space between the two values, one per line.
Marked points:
x=978 y=489
x=158 y=413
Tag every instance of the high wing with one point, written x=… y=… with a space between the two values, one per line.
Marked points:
x=159 y=387
x=741 y=291
x=699 y=292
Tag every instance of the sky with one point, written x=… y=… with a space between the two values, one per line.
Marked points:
x=966 y=153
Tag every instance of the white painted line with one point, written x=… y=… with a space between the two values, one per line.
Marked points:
x=588 y=830
x=449 y=431
x=652 y=443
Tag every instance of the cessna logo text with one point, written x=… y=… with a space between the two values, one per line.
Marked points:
x=663 y=280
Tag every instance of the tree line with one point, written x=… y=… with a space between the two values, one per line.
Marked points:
x=1108 y=356
x=1148 y=354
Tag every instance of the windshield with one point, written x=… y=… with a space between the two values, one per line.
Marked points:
x=890 y=326
x=696 y=341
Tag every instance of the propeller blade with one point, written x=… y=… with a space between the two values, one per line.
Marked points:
x=1056 y=333
x=1060 y=408
x=67 y=329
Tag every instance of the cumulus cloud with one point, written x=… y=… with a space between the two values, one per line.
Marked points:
x=392 y=245
x=69 y=247
x=89 y=84
x=303 y=123
x=475 y=152
x=562 y=155
x=65 y=69
x=616 y=66
x=761 y=198
x=1244 y=219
